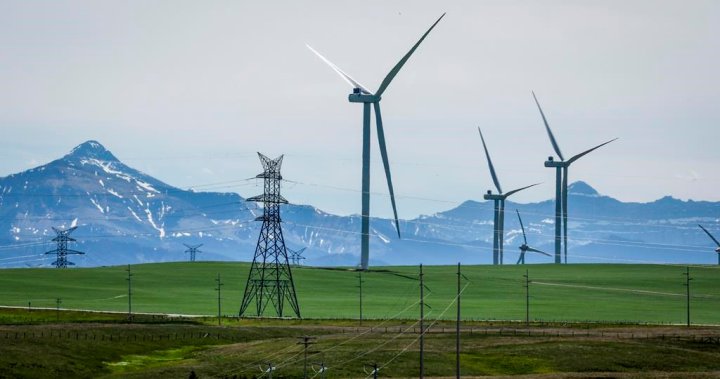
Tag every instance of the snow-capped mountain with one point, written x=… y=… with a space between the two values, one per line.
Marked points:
x=600 y=229
x=125 y=216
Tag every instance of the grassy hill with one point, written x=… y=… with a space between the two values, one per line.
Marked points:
x=625 y=293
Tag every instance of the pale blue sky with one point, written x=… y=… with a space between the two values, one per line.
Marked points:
x=188 y=91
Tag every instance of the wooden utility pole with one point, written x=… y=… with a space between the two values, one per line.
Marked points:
x=457 y=328
x=219 y=284
x=687 y=297
x=527 y=298
x=306 y=341
x=422 y=324
x=129 y=280
x=360 y=283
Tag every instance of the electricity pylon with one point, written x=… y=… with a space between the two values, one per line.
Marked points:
x=62 y=251
x=270 y=279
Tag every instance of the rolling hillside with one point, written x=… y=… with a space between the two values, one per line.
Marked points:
x=626 y=293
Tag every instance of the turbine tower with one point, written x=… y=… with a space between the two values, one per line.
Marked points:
x=192 y=249
x=362 y=95
x=62 y=251
x=561 y=185
x=717 y=249
x=524 y=248
x=499 y=214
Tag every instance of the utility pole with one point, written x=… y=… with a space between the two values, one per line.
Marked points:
x=306 y=341
x=422 y=324
x=219 y=284
x=360 y=282
x=687 y=297
x=129 y=280
x=457 y=328
x=527 y=298
x=58 y=301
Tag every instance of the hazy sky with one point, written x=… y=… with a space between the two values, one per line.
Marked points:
x=189 y=91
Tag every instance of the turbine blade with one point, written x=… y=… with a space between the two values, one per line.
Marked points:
x=549 y=132
x=521 y=226
x=490 y=165
x=354 y=83
x=520 y=257
x=538 y=251
x=578 y=156
x=391 y=75
x=709 y=235
x=520 y=189
x=386 y=163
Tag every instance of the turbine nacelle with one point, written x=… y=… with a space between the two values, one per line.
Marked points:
x=492 y=196
x=553 y=163
x=360 y=97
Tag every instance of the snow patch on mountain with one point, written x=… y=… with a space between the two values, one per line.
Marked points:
x=95 y=203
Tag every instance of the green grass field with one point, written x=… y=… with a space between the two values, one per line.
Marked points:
x=611 y=293
x=173 y=350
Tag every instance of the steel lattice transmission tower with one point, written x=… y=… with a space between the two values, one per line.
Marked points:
x=296 y=256
x=192 y=249
x=270 y=279
x=62 y=251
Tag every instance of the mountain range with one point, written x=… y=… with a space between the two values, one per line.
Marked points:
x=125 y=216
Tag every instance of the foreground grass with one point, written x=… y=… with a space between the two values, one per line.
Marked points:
x=89 y=345
x=608 y=293
x=174 y=350
x=90 y=350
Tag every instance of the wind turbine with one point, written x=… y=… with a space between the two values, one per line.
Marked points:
x=717 y=250
x=524 y=248
x=561 y=174
x=362 y=95
x=499 y=199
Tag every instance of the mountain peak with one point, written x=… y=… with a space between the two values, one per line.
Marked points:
x=91 y=149
x=581 y=188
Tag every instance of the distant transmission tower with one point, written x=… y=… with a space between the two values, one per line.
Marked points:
x=296 y=256
x=62 y=251
x=270 y=279
x=192 y=250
